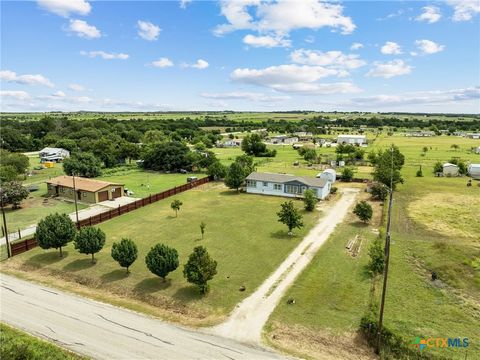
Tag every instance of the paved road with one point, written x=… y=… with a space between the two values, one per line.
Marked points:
x=247 y=320
x=102 y=331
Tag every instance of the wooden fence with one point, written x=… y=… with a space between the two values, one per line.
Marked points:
x=25 y=245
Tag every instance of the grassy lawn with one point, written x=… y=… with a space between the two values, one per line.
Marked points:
x=242 y=234
x=435 y=228
x=16 y=345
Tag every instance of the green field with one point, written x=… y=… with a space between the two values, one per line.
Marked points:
x=242 y=230
x=435 y=228
x=16 y=345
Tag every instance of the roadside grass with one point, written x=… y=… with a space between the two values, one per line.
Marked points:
x=16 y=344
x=242 y=234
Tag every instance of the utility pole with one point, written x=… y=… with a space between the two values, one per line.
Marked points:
x=387 y=258
x=75 y=198
x=5 y=225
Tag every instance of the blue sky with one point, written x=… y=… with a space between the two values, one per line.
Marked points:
x=67 y=55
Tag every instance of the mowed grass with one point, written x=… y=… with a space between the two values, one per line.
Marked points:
x=242 y=235
x=15 y=345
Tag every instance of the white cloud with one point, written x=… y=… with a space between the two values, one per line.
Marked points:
x=464 y=10
x=389 y=69
x=356 y=46
x=250 y=96
x=76 y=87
x=266 y=41
x=282 y=17
x=27 y=79
x=184 y=3
x=420 y=97
x=105 y=55
x=59 y=94
x=293 y=78
x=430 y=14
x=391 y=48
x=147 y=30
x=310 y=39
x=334 y=59
x=200 y=64
x=162 y=62
x=18 y=95
x=82 y=29
x=429 y=47
x=66 y=7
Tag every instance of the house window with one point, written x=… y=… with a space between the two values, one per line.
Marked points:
x=265 y=184
x=277 y=186
x=291 y=189
x=251 y=183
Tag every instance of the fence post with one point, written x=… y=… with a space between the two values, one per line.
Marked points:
x=26 y=245
x=19 y=234
x=119 y=210
x=90 y=220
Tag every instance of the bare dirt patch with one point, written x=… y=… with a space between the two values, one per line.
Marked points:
x=316 y=344
x=448 y=214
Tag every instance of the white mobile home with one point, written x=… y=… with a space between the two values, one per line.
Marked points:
x=352 y=139
x=53 y=154
x=328 y=174
x=474 y=171
x=286 y=185
x=450 y=169
x=283 y=139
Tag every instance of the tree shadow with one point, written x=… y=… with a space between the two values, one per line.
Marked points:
x=188 y=293
x=46 y=258
x=151 y=285
x=360 y=224
x=230 y=192
x=366 y=274
x=171 y=217
x=114 y=275
x=282 y=235
x=79 y=264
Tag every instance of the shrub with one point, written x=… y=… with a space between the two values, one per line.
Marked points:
x=364 y=211
x=309 y=200
x=333 y=190
x=347 y=174
x=161 y=260
x=125 y=252
x=377 y=257
x=379 y=191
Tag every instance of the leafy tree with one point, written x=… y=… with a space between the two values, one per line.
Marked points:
x=55 y=231
x=125 y=252
x=169 y=156
x=89 y=240
x=235 y=176
x=309 y=200
x=200 y=268
x=14 y=192
x=455 y=147
x=253 y=145
x=8 y=173
x=379 y=191
x=364 y=211
x=290 y=216
x=462 y=166
x=246 y=163
x=104 y=149
x=67 y=144
x=18 y=161
x=347 y=174
x=217 y=170
x=438 y=167
x=161 y=260
x=310 y=155
x=127 y=150
x=425 y=149
x=175 y=205
x=419 y=172
x=202 y=228
x=153 y=136
x=83 y=164
x=377 y=257
x=388 y=165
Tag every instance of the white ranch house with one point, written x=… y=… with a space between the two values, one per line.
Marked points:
x=286 y=185
x=352 y=139
x=53 y=154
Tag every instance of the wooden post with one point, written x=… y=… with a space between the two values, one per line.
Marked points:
x=19 y=234
x=90 y=220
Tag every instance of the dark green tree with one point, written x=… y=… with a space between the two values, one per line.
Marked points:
x=169 y=156
x=253 y=145
x=290 y=216
x=89 y=240
x=347 y=174
x=309 y=200
x=438 y=167
x=175 y=205
x=388 y=165
x=203 y=226
x=55 y=231
x=310 y=155
x=8 y=173
x=19 y=161
x=200 y=268
x=125 y=252
x=161 y=260
x=83 y=164
x=379 y=191
x=14 y=192
x=235 y=176
x=217 y=170
x=364 y=211
x=377 y=257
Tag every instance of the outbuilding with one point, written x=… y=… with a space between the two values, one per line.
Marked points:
x=328 y=174
x=50 y=154
x=352 y=139
x=474 y=171
x=86 y=190
x=450 y=169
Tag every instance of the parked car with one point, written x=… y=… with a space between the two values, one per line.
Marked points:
x=192 y=179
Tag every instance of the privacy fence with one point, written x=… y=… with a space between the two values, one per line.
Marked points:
x=19 y=247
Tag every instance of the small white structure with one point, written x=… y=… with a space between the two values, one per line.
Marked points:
x=284 y=139
x=352 y=139
x=477 y=150
x=232 y=143
x=474 y=171
x=286 y=185
x=450 y=169
x=328 y=174
x=473 y=135
x=53 y=154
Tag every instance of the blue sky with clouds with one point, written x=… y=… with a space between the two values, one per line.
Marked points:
x=61 y=55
